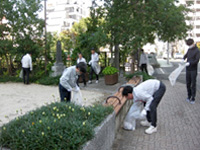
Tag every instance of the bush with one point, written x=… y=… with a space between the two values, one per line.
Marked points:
x=109 y=70
x=144 y=75
x=55 y=126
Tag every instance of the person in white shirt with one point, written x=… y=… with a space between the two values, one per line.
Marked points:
x=68 y=81
x=81 y=60
x=27 y=67
x=150 y=92
x=143 y=61
x=94 y=64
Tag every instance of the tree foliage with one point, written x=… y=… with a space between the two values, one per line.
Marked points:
x=21 y=30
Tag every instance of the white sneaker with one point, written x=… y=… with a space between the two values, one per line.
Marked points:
x=89 y=81
x=145 y=123
x=97 y=81
x=151 y=130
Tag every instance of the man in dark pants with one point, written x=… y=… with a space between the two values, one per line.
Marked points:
x=27 y=67
x=150 y=91
x=192 y=57
x=143 y=61
x=68 y=81
x=84 y=63
x=94 y=63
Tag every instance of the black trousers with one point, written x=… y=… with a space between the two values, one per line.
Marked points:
x=152 y=114
x=64 y=94
x=191 y=77
x=26 y=72
x=91 y=74
x=83 y=78
x=144 y=68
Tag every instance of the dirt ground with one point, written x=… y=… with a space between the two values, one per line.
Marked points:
x=17 y=99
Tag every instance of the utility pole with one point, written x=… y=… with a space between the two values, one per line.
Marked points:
x=168 y=52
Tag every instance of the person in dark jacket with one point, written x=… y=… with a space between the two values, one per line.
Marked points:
x=192 y=56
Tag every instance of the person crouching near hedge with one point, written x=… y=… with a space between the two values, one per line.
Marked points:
x=68 y=81
x=150 y=91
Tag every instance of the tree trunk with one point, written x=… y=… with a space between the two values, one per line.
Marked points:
x=8 y=66
x=117 y=56
x=111 y=51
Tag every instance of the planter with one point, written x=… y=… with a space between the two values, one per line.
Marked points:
x=111 y=79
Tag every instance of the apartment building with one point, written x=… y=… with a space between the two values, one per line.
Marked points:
x=194 y=21
x=62 y=14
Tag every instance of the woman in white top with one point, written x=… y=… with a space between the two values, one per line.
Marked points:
x=83 y=61
x=143 y=61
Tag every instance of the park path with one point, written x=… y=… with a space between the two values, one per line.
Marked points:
x=178 y=125
x=23 y=98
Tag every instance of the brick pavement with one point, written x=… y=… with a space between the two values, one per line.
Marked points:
x=178 y=125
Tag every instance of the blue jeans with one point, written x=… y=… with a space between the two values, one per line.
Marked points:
x=64 y=94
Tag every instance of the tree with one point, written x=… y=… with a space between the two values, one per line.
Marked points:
x=135 y=23
x=21 y=30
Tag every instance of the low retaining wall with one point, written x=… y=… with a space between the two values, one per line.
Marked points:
x=104 y=135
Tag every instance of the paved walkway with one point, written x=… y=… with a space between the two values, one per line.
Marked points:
x=178 y=125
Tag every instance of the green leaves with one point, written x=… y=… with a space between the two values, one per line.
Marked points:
x=55 y=126
x=110 y=70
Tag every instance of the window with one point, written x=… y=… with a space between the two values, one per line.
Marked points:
x=198 y=27
x=198 y=35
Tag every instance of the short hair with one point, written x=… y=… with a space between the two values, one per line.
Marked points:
x=92 y=49
x=81 y=66
x=142 y=50
x=127 y=89
x=189 y=41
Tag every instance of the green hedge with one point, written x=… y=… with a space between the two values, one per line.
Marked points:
x=45 y=80
x=145 y=75
x=53 y=127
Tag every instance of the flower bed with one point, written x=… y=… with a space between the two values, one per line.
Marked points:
x=55 y=126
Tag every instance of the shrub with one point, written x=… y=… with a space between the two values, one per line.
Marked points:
x=109 y=70
x=55 y=126
x=144 y=75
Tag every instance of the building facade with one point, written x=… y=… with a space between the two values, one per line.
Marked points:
x=194 y=21
x=62 y=14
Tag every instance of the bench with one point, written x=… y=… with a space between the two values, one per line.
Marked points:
x=117 y=100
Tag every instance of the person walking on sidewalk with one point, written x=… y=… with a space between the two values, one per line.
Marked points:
x=192 y=57
x=27 y=67
x=150 y=91
x=143 y=61
x=68 y=81
x=84 y=63
x=94 y=66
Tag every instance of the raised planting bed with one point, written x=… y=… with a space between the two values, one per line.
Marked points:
x=55 y=126
x=111 y=79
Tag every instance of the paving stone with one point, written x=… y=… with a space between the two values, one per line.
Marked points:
x=178 y=125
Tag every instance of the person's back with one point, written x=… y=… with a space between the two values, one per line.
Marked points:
x=26 y=61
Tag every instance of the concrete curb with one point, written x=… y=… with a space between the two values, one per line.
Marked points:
x=104 y=135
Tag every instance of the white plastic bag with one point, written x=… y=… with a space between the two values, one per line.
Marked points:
x=150 y=69
x=174 y=75
x=133 y=114
x=21 y=74
x=77 y=97
x=96 y=67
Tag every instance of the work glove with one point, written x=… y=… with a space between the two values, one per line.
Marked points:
x=69 y=90
x=143 y=112
x=187 y=64
x=182 y=61
x=76 y=89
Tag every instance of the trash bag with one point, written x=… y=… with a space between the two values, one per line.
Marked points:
x=150 y=69
x=133 y=114
x=77 y=97
x=174 y=75
x=21 y=74
x=96 y=67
